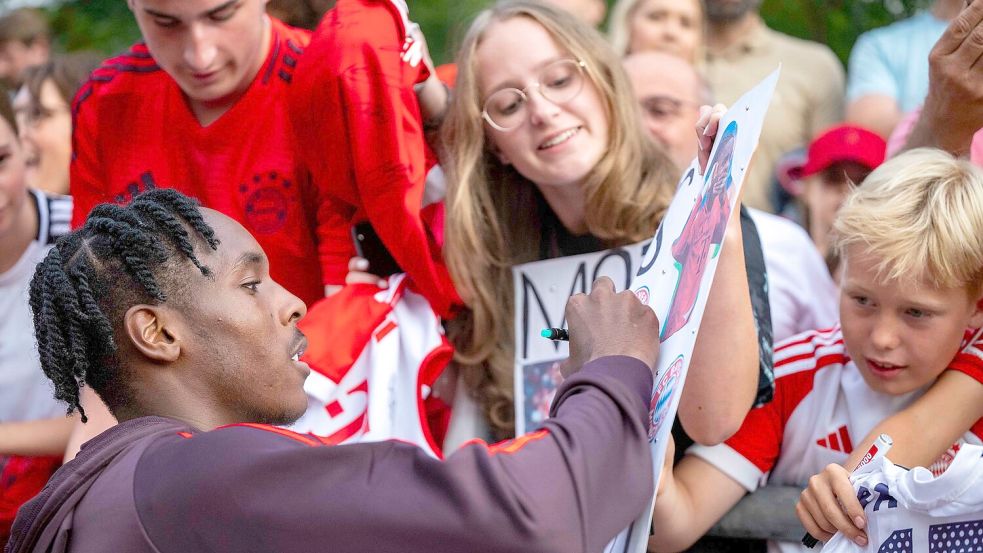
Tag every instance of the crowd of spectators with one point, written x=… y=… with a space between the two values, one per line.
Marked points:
x=851 y=276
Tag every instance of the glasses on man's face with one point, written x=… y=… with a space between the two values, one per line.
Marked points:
x=558 y=82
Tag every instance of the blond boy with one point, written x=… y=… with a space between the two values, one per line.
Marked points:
x=909 y=238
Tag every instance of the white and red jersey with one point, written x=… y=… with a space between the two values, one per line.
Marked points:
x=914 y=510
x=822 y=407
x=374 y=356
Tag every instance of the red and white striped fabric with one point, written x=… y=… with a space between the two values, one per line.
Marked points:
x=374 y=354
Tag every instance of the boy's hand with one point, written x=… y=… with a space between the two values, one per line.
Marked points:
x=607 y=323
x=830 y=505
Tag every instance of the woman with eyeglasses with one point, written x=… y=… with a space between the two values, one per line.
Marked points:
x=545 y=157
x=44 y=115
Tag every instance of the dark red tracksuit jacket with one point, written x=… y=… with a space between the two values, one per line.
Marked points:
x=153 y=484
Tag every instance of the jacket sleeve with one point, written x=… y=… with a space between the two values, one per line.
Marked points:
x=568 y=487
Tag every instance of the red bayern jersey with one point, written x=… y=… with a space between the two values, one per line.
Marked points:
x=134 y=130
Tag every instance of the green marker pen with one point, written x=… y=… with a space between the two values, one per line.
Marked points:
x=555 y=334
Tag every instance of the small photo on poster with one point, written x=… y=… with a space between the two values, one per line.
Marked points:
x=539 y=384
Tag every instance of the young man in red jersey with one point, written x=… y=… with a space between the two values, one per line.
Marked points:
x=199 y=106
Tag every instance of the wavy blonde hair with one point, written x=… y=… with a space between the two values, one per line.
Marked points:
x=921 y=215
x=494 y=213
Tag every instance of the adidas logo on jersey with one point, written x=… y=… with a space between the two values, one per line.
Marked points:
x=838 y=440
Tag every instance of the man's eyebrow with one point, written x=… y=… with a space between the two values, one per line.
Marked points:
x=221 y=7
x=155 y=13
x=248 y=258
x=212 y=11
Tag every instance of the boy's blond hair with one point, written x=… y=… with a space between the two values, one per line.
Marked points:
x=921 y=215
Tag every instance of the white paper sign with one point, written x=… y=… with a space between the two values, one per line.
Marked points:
x=542 y=289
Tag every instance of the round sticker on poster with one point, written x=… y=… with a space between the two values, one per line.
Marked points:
x=663 y=393
x=643 y=295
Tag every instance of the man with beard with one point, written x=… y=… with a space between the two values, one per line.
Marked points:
x=742 y=50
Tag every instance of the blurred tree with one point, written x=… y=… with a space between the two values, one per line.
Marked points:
x=101 y=25
x=837 y=23
x=108 y=26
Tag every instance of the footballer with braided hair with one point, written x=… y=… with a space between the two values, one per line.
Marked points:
x=167 y=310
x=78 y=290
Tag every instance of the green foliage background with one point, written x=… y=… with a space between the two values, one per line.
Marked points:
x=107 y=25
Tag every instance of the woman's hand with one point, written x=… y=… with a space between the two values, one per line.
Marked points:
x=706 y=131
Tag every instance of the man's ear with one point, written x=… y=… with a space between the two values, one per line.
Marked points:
x=152 y=333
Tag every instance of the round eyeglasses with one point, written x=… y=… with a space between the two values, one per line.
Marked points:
x=558 y=82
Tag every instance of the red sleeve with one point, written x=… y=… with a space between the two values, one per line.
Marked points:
x=760 y=437
x=358 y=124
x=969 y=360
x=334 y=240
x=86 y=187
x=759 y=440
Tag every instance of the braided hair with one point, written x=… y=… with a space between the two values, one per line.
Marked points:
x=122 y=256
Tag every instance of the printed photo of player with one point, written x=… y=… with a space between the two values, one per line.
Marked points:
x=701 y=236
x=539 y=383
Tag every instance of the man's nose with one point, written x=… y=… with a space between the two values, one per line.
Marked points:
x=200 y=50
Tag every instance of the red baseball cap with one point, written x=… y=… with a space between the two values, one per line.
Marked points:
x=844 y=143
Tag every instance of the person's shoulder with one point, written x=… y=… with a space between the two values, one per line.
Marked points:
x=288 y=46
x=132 y=72
x=293 y=38
x=229 y=440
x=901 y=31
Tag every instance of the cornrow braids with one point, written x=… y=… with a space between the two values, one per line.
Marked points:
x=122 y=256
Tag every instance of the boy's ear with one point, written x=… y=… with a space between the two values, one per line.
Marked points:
x=152 y=332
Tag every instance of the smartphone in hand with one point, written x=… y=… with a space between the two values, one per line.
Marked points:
x=369 y=246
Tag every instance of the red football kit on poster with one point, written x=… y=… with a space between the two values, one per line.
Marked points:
x=134 y=130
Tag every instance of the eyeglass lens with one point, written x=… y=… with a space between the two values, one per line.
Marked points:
x=559 y=82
